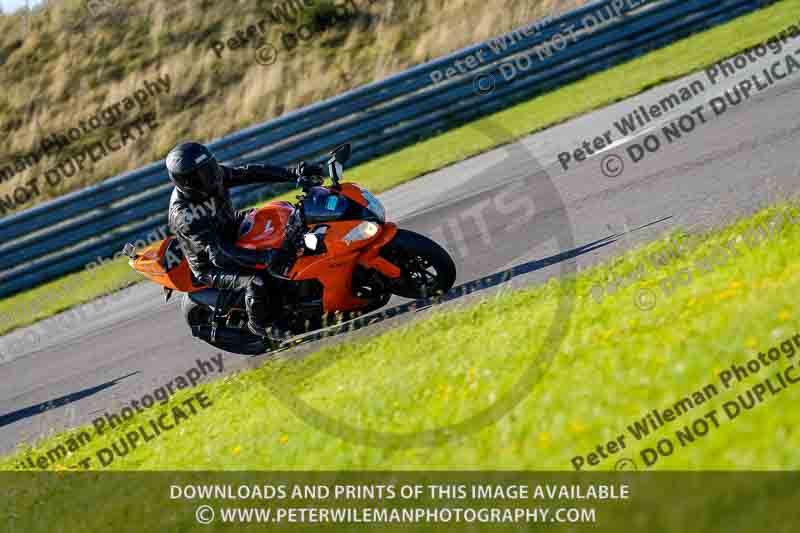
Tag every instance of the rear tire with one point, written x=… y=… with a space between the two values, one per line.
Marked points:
x=193 y=313
x=427 y=268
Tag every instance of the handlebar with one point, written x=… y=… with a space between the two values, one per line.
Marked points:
x=335 y=165
x=306 y=182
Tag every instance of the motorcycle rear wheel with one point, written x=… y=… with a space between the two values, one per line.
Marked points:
x=427 y=268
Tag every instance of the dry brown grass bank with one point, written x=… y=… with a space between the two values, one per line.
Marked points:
x=67 y=64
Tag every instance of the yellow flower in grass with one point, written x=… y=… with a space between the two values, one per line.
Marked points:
x=736 y=285
x=577 y=427
x=785 y=315
x=762 y=284
x=605 y=335
x=444 y=391
x=727 y=295
x=472 y=375
x=544 y=440
x=237 y=450
x=691 y=302
x=751 y=342
x=284 y=439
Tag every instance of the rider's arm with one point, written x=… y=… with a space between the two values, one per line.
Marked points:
x=199 y=233
x=235 y=176
x=227 y=255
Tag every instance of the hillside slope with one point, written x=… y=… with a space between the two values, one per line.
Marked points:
x=116 y=60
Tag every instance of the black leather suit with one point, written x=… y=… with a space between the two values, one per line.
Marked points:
x=207 y=229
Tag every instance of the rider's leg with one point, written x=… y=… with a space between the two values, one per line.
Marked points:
x=255 y=298
x=262 y=309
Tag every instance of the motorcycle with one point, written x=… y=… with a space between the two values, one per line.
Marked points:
x=342 y=256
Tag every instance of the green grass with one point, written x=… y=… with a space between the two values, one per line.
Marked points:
x=64 y=293
x=581 y=97
x=616 y=363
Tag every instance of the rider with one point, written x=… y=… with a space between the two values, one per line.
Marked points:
x=203 y=219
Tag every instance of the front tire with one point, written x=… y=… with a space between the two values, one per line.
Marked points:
x=427 y=268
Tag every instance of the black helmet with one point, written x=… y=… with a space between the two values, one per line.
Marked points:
x=194 y=169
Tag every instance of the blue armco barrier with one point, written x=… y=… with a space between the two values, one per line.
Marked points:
x=63 y=235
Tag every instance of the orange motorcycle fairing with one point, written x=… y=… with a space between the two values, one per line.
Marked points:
x=334 y=268
x=154 y=260
x=265 y=227
x=353 y=192
x=371 y=257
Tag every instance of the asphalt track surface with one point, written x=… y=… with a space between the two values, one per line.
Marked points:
x=728 y=167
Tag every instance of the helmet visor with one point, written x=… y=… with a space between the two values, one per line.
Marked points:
x=206 y=180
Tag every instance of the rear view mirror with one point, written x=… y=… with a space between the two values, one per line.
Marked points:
x=130 y=251
x=342 y=153
x=335 y=171
x=335 y=163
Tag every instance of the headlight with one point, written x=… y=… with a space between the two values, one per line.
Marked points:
x=362 y=232
x=374 y=205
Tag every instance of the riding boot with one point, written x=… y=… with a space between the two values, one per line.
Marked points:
x=260 y=313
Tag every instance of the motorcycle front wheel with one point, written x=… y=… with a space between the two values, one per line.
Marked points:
x=427 y=268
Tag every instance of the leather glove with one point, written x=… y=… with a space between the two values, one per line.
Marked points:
x=306 y=182
x=305 y=169
x=308 y=175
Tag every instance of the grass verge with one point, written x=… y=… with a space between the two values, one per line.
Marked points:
x=594 y=92
x=616 y=364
